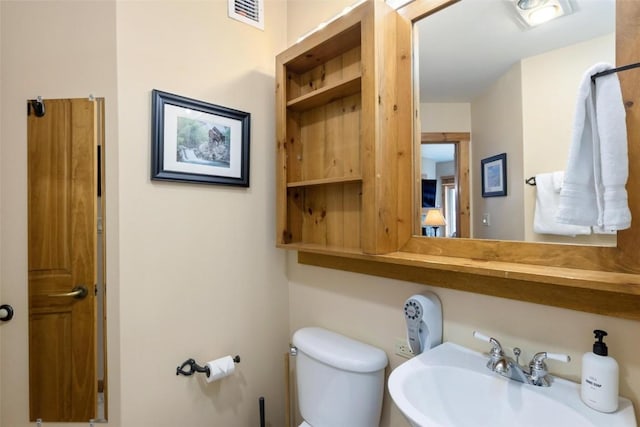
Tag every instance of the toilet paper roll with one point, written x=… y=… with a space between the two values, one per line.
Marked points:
x=220 y=368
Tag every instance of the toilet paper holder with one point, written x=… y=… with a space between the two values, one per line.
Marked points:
x=193 y=367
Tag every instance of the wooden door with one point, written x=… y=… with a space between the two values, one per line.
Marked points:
x=62 y=188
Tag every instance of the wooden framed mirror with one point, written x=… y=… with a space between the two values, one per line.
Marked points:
x=595 y=279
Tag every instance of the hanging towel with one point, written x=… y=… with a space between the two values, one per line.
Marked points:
x=548 y=186
x=614 y=159
x=593 y=190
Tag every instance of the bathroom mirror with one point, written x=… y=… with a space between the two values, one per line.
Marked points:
x=590 y=278
x=483 y=70
x=66 y=260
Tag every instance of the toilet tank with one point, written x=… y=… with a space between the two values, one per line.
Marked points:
x=340 y=381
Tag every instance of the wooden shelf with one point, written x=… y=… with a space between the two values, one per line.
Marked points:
x=605 y=293
x=339 y=129
x=332 y=47
x=324 y=181
x=321 y=249
x=326 y=94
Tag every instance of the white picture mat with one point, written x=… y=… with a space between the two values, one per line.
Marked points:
x=493 y=179
x=171 y=163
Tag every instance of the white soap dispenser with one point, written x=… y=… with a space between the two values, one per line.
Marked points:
x=599 y=388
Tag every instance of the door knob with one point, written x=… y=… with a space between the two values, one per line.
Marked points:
x=79 y=292
x=6 y=312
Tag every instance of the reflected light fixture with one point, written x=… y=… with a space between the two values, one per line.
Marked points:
x=536 y=12
x=396 y=4
x=434 y=219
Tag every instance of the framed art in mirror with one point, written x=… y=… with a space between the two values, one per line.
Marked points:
x=494 y=175
x=194 y=141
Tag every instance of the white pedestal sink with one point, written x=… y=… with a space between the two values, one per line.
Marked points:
x=450 y=386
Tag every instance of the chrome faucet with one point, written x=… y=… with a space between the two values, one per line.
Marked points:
x=535 y=373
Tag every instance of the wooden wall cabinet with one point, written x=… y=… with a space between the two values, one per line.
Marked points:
x=338 y=130
x=345 y=173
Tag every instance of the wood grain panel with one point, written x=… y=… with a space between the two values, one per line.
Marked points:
x=628 y=52
x=312 y=141
x=57 y=320
x=314 y=220
x=403 y=112
x=334 y=140
x=50 y=163
x=593 y=297
x=351 y=118
x=52 y=331
x=352 y=206
x=283 y=173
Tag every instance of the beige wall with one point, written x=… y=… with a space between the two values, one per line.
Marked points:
x=445 y=117
x=1 y=203
x=496 y=123
x=192 y=269
x=200 y=273
x=369 y=308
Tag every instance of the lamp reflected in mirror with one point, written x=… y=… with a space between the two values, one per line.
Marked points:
x=435 y=220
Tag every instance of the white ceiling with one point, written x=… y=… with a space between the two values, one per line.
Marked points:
x=438 y=152
x=467 y=46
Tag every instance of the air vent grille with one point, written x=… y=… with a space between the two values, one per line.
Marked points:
x=248 y=11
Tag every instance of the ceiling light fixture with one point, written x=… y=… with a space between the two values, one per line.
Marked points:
x=397 y=4
x=530 y=4
x=536 y=12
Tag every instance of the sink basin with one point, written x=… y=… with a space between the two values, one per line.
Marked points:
x=450 y=386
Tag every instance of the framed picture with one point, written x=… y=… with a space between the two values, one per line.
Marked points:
x=494 y=175
x=194 y=141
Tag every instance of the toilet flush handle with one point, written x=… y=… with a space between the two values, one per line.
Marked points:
x=293 y=350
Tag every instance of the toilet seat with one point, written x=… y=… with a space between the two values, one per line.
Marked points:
x=305 y=424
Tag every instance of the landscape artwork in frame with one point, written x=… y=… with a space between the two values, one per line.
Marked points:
x=494 y=175
x=194 y=141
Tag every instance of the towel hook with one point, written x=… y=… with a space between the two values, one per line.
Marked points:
x=38 y=107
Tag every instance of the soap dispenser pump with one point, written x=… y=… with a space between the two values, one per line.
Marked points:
x=599 y=388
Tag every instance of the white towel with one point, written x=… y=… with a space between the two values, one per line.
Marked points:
x=548 y=187
x=614 y=159
x=593 y=192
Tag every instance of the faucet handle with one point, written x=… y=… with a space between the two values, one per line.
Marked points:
x=539 y=372
x=539 y=358
x=481 y=336
x=561 y=357
x=496 y=350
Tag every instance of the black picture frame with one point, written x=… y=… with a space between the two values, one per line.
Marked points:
x=494 y=175
x=195 y=141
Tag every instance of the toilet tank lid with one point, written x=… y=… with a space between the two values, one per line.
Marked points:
x=339 y=351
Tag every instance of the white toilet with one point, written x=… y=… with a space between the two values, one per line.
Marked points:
x=340 y=381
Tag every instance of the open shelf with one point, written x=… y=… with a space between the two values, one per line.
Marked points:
x=326 y=94
x=324 y=181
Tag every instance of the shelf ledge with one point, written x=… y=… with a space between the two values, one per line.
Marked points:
x=327 y=94
x=324 y=181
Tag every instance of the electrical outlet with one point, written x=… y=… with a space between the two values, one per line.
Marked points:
x=403 y=349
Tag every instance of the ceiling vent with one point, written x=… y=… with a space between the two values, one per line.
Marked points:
x=248 y=11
